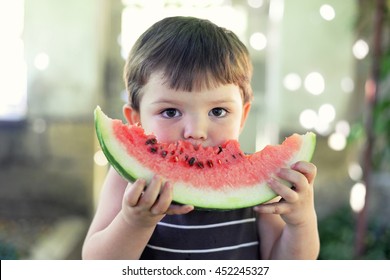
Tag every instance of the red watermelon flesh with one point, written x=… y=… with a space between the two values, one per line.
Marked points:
x=220 y=177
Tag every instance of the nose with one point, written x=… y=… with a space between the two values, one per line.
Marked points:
x=195 y=128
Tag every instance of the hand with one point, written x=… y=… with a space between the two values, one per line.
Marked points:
x=145 y=206
x=297 y=204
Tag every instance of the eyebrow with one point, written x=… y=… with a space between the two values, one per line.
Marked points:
x=165 y=101
x=175 y=102
x=218 y=101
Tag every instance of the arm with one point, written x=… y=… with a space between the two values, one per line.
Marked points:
x=288 y=228
x=126 y=217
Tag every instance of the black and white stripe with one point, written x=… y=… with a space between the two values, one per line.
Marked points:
x=205 y=235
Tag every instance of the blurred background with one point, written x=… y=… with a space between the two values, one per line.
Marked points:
x=319 y=65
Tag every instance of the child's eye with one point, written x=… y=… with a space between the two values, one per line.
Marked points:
x=170 y=113
x=218 y=112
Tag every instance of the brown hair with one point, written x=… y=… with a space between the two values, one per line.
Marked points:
x=192 y=54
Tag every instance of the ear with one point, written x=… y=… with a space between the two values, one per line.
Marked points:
x=131 y=115
x=245 y=113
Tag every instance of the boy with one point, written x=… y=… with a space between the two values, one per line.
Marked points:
x=189 y=79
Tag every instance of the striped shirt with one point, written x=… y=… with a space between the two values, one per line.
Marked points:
x=205 y=235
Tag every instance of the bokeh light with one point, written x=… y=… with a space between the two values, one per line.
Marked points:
x=343 y=127
x=258 y=41
x=355 y=171
x=327 y=113
x=327 y=12
x=314 y=83
x=308 y=118
x=347 y=84
x=337 y=141
x=292 y=81
x=360 y=49
x=100 y=159
x=357 y=197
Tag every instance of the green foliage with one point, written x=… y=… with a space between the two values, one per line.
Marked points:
x=381 y=131
x=381 y=111
x=337 y=234
x=381 y=153
x=8 y=252
x=385 y=65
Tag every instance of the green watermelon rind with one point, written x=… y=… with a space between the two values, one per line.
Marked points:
x=118 y=162
x=234 y=198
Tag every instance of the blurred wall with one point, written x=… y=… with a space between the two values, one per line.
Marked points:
x=72 y=35
x=50 y=155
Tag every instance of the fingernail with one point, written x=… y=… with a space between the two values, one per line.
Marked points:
x=168 y=185
x=280 y=172
x=141 y=181
x=272 y=180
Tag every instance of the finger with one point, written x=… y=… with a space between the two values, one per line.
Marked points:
x=163 y=201
x=164 y=204
x=175 y=209
x=134 y=192
x=151 y=193
x=306 y=168
x=273 y=208
x=293 y=178
x=288 y=194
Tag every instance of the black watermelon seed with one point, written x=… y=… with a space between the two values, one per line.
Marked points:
x=151 y=141
x=210 y=163
x=191 y=161
x=153 y=150
x=219 y=150
x=164 y=154
x=200 y=164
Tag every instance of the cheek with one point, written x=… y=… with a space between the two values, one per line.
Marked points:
x=163 y=133
x=220 y=134
x=151 y=125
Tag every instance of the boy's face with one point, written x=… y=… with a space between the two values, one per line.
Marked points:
x=207 y=117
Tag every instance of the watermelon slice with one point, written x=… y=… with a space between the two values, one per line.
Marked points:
x=221 y=177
